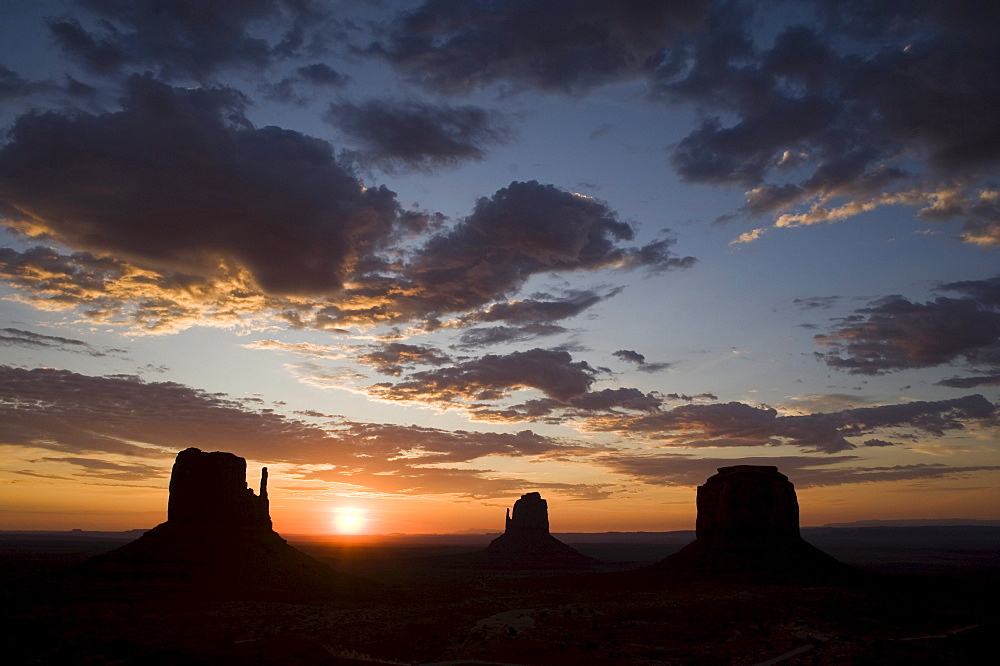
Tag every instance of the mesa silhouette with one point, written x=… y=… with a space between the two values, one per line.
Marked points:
x=748 y=524
x=526 y=542
x=217 y=538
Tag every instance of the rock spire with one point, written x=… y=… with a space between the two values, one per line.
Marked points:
x=217 y=539
x=211 y=489
x=526 y=542
x=531 y=514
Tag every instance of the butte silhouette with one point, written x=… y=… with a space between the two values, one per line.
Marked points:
x=217 y=537
x=526 y=542
x=748 y=523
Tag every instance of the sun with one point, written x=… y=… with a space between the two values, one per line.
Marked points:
x=349 y=520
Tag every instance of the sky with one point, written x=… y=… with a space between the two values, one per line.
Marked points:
x=419 y=258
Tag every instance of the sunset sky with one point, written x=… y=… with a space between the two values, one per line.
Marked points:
x=419 y=258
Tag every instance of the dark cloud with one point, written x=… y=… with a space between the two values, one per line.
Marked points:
x=679 y=469
x=738 y=424
x=970 y=382
x=525 y=229
x=182 y=37
x=601 y=132
x=630 y=356
x=895 y=333
x=193 y=182
x=15 y=337
x=105 y=469
x=640 y=360
x=455 y=45
x=530 y=318
x=878 y=443
x=492 y=377
x=816 y=302
x=394 y=357
x=485 y=336
x=13 y=86
x=550 y=410
x=846 y=106
x=322 y=75
x=535 y=310
x=83 y=417
x=290 y=89
x=690 y=398
x=398 y=135
x=209 y=214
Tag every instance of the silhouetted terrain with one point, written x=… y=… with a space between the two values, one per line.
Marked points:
x=215 y=584
x=402 y=605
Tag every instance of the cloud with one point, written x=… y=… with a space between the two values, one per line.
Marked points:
x=970 y=382
x=630 y=356
x=464 y=482
x=478 y=337
x=602 y=131
x=182 y=38
x=525 y=229
x=83 y=418
x=323 y=377
x=317 y=76
x=522 y=230
x=394 y=357
x=15 y=337
x=492 y=377
x=401 y=135
x=322 y=75
x=540 y=309
x=307 y=349
x=738 y=424
x=569 y=47
x=980 y=212
x=13 y=86
x=530 y=318
x=550 y=410
x=111 y=291
x=816 y=302
x=105 y=469
x=679 y=469
x=179 y=178
x=211 y=220
x=894 y=333
x=823 y=402
x=853 y=108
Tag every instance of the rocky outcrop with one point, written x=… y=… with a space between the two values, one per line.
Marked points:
x=217 y=539
x=211 y=489
x=747 y=503
x=531 y=514
x=748 y=523
x=526 y=542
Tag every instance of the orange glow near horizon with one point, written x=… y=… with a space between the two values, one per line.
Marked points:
x=349 y=520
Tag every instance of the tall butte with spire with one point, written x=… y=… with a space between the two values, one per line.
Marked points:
x=218 y=536
x=526 y=542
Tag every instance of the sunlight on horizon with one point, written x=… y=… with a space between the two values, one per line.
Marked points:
x=349 y=520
